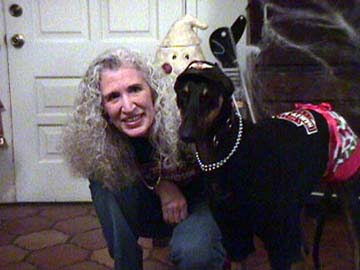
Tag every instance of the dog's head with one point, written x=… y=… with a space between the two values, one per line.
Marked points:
x=203 y=95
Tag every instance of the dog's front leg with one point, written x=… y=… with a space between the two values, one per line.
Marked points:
x=348 y=194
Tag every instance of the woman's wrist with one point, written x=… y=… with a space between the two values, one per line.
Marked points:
x=152 y=186
x=164 y=187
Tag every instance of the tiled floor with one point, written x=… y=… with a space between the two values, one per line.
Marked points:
x=68 y=237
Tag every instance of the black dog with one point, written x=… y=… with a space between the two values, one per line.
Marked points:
x=260 y=175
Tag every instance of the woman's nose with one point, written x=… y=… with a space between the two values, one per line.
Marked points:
x=127 y=104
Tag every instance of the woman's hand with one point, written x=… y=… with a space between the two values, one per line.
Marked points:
x=173 y=202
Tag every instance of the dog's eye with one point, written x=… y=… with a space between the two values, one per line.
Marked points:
x=182 y=97
x=174 y=56
x=187 y=57
x=185 y=90
x=204 y=92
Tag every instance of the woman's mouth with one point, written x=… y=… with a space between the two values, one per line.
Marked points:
x=133 y=121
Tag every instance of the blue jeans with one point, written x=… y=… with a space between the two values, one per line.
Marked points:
x=136 y=211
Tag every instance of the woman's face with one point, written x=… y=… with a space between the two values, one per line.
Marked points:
x=128 y=101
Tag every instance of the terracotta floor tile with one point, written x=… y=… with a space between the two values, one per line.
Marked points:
x=258 y=258
x=93 y=212
x=26 y=225
x=161 y=242
x=146 y=243
x=93 y=240
x=39 y=240
x=58 y=256
x=78 y=224
x=20 y=266
x=11 y=254
x=86 y=266
x=340 y=265
x=102 y=256
x=12 y=211
x=261 y=267
x=5 y=238
x=161 y=254
x=146 y=254
x=328 y=255
x=29 y=226
x=154 y=265
x=65 y=211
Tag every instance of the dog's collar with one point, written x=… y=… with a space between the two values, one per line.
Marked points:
x=216 y=165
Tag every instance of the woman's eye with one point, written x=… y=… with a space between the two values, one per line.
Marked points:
x=135 y=89
x=112 y=96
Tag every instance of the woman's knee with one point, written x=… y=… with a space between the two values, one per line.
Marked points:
x=197 y=253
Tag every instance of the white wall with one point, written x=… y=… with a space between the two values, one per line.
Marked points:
x=7 y=173
x=218 y=13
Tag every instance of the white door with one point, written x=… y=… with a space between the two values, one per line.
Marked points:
x=61 y=37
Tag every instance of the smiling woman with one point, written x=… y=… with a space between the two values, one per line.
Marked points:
x=128 y=101
x=90 y=134
x=123 y=137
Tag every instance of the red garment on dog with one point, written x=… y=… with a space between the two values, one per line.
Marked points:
x=344 y=146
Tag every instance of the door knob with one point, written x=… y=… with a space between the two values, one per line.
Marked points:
x=18 y=40
x=15 y=10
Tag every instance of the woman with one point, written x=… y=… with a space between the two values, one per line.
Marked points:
x=123 y=137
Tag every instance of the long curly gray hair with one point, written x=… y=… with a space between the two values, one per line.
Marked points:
x=96 y=149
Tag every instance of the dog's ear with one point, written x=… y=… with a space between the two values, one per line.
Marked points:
x=179 y=84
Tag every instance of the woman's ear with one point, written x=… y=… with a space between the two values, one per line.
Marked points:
x=154 y=95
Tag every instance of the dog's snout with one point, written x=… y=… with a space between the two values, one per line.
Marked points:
x=187 y=139
x=186 y=135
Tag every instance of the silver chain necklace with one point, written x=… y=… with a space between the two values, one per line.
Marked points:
x=216 y=165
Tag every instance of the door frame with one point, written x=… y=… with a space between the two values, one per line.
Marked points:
x=7 y=166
